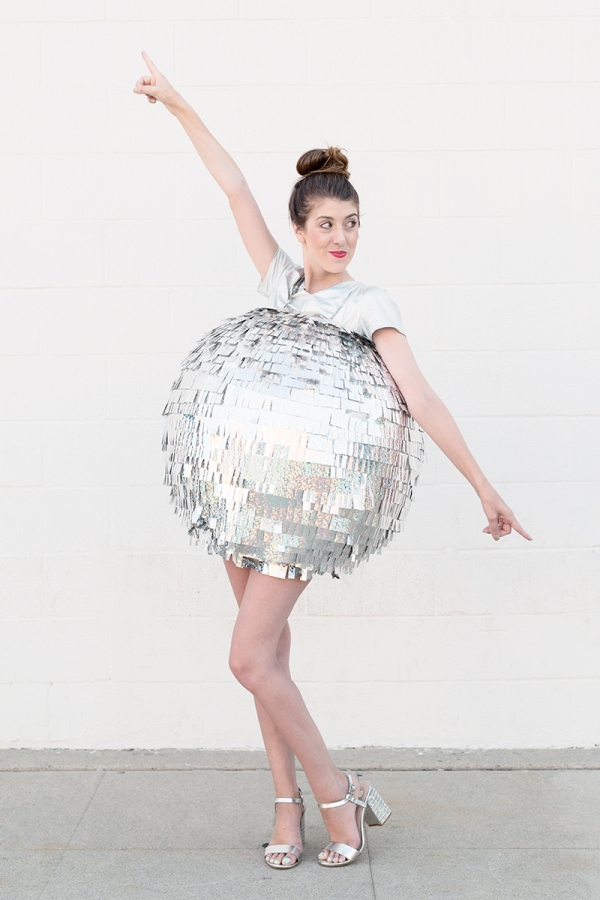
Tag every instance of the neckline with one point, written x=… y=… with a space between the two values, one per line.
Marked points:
x=300 y=285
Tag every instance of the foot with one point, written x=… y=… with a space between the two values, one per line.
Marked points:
x=287 y=831
x=341 y=821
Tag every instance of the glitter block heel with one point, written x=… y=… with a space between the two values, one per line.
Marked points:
x=377 y=811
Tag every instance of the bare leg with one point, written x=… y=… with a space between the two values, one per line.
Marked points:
x=282 y=760
x=262 y=620
x=281 y=757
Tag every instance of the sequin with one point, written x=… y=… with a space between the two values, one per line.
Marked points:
x=289 y=448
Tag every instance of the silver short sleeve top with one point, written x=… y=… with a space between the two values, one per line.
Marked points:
x=350 y=305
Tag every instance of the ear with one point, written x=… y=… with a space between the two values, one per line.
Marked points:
x=299 y=233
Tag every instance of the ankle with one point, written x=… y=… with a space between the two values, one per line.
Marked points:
x=291 y=792
x=337 y=789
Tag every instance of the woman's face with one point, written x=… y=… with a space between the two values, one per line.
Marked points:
x=330 y=234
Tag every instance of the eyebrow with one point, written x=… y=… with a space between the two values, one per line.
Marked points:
x=330 y=218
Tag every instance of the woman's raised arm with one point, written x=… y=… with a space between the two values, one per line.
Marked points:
x=433 y=416
x=258 y=240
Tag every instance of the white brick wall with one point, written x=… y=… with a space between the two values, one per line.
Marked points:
x=474 y=136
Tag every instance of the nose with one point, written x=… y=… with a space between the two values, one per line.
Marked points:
x=338 y=237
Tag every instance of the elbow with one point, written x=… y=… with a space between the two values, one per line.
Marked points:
x=419 y=403
x=237 y=190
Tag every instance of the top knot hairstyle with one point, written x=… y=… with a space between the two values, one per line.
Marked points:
x=324 y=173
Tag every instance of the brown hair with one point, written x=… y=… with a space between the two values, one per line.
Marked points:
x=324 y=174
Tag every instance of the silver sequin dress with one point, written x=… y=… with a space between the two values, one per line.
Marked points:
x=289 y=448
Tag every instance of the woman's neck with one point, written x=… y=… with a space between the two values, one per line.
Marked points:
x=317 y=279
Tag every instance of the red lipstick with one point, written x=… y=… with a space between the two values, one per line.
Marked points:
x=339 y=254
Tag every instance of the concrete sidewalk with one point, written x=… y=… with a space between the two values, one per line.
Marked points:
x=486 y=825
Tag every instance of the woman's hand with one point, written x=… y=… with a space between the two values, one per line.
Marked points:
x=156 y=87
x=501 y=519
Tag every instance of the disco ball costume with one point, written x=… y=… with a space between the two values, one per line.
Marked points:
x=289 y=448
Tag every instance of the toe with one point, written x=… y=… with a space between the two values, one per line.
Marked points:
x=331 y=857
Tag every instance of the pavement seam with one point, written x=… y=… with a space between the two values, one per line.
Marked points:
x=371 y=872
x=190 y=768
x=75 y=827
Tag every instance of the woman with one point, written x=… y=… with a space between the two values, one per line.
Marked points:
x=324 y=316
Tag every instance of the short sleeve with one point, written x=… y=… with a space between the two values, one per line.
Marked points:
x=378 y=310
x=281 y=276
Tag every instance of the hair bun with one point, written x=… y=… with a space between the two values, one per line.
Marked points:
x=331 y=160
x=330 y=178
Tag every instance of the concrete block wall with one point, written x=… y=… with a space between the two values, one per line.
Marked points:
x=473 y=130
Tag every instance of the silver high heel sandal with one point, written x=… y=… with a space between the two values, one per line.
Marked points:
x=371 y=810
x=287 y=848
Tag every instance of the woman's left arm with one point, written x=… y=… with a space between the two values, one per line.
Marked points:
x=432 y=415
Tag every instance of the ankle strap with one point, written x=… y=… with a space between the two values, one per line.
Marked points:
x=349 y=798
x=290 y=799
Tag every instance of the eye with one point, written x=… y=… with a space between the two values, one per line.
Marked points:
x=352 y=223
x=323 y=224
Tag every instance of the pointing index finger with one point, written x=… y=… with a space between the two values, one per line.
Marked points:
x=521 y=530
x=150 y=64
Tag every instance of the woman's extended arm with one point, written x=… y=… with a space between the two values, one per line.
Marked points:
x=433 y=416
x=258 y=240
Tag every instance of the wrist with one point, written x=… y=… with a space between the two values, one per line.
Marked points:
x=178 y=106
x=484 y=490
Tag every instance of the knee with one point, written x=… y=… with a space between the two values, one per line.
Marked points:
x=245 y=669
